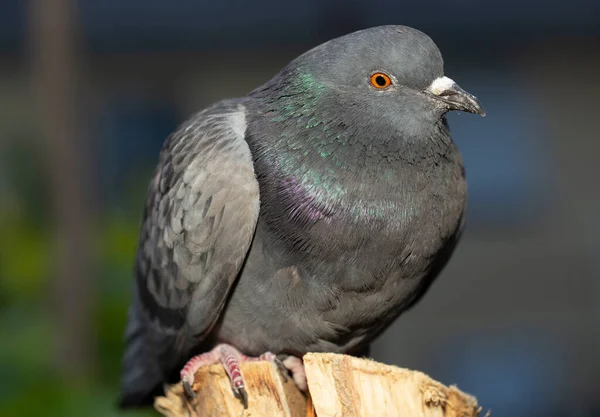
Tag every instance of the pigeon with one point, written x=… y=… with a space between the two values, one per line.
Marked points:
x=303 y=217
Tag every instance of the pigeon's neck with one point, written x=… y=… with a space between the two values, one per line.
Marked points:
x=303 y=128
x=321 y=165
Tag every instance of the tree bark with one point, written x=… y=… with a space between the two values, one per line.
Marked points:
x=339 y=386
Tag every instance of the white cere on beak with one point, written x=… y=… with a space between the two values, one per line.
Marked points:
x=441 y=84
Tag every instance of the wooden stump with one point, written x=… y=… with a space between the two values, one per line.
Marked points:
x=339 y=385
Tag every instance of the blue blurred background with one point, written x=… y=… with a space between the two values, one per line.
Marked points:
x=89 y=90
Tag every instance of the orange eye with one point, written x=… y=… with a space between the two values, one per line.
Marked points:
x=380 y=80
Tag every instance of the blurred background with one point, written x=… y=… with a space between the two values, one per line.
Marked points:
x=90 y=89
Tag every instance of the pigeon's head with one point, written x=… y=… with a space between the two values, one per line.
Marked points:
x=391 y=72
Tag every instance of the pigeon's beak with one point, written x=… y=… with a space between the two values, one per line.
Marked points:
x=455 y=98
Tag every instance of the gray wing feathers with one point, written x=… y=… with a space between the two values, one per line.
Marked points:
x=200 y=216
x=146 y=358
x=203 y=208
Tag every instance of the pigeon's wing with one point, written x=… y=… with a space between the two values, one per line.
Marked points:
x=200 y=216
x=201 y=212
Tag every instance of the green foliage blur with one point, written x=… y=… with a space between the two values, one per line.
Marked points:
x=30 y=384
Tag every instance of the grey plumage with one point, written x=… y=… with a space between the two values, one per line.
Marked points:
x=303 y=217
x=201 y=211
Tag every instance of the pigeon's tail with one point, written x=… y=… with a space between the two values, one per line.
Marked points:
x=144 y=365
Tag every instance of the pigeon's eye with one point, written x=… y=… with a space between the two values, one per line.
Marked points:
x=380 y=80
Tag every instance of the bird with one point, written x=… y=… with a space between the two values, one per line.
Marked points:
x=303 y=217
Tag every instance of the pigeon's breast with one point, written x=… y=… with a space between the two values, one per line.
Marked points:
x=371 y=220
x=331 y=276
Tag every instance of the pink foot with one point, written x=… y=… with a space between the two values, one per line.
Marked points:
x=230 y=357
x=296 y=367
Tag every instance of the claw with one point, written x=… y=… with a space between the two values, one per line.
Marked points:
x=243 y=396
x=281 y=368
x=271 y=357
x=188 y=389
